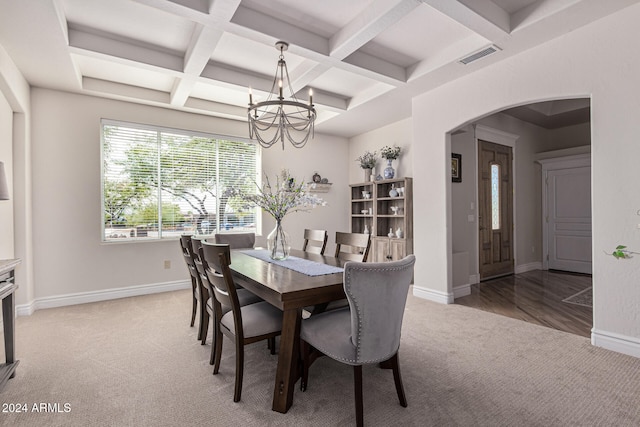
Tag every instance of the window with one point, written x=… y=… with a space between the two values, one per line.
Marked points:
x=161 y=183
x=495 y=197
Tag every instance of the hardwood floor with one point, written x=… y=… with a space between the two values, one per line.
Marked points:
x=535 y=297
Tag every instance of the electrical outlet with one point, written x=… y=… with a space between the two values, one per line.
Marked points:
x=167 y=264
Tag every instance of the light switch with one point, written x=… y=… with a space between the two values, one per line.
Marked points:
x=471 y=218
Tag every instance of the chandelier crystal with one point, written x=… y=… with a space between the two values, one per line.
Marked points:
x=277 y=118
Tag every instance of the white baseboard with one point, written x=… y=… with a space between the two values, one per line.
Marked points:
x=523 y=268
x=474 y=279
x=102 y=295
x=616 y=342
x=462 y=290
x=431 y=295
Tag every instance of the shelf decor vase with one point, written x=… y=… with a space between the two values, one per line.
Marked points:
x=278 y=243
x=367 y=174
x=388 y=171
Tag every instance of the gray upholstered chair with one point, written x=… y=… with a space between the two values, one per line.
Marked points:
x=352 y=246
x=315 y=241
x=366 y=332
x=242 y=324
x=236 y=240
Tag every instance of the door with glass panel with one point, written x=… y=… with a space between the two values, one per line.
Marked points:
x=495 y=209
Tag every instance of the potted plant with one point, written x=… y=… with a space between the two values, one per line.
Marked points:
x=367 y=161
x=390 y=154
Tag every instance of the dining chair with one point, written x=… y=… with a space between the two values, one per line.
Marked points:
x=315 y=241
x=197 y=300
x=360 y=334
x=236 y=240
x=352 y=246
x=349 y=247
x=242 y=324
x=244 y=297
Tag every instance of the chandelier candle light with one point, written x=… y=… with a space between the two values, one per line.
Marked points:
x=277 y=118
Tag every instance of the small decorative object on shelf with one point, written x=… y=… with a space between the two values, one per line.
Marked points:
x=390 y=154
x=391 y=233
x=393 y=192
x=399 y=233
x=367 y=161
x=316 y=177
x=394 y=209
x=366 y=229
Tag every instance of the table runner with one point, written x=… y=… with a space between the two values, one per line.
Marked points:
x=301 y=265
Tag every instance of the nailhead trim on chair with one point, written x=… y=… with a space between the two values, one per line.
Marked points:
x=358 y=313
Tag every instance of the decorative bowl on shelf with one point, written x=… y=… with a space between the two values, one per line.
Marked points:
x=394 y=209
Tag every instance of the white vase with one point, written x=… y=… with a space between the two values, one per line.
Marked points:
x=278 y=243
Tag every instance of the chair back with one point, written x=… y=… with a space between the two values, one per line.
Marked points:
x=236 y=240
x=196 y=244
x=216 y=260
x=315 y=241
x=377 y=294
x=187 y=253
x=352 y=246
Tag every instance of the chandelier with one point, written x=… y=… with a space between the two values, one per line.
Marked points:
x=277 y=118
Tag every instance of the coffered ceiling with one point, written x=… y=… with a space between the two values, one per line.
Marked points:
x=364 y=59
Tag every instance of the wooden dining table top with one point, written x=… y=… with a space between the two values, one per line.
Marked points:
x=285 y=288
x=290 y=291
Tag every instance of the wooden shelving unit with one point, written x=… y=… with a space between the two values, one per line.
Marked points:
x=381 y=212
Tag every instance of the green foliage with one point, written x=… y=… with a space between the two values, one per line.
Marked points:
x=195 y=170
x=621 y=252
x=368 y=160
x=148 y=214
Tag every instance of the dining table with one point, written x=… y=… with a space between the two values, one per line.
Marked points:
x=290 y=288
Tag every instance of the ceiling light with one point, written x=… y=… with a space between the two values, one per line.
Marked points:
x=277 y=118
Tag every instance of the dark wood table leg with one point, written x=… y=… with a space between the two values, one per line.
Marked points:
x=288 y=356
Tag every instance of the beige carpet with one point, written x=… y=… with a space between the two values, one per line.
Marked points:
x=136 y=362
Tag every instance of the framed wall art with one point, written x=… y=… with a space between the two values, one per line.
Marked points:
x=456 y=167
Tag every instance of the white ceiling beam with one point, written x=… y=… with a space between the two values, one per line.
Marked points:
x=90 y=44
x=376 y=18
x=124 y=91
x=493 y=27
x=203 y=42
x=280 y=30
x=378 y=66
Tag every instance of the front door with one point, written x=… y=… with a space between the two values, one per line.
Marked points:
x=495 y=209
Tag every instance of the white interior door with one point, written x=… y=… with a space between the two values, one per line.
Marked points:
x=569 y=219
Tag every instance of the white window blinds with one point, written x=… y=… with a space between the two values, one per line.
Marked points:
x=159 y=183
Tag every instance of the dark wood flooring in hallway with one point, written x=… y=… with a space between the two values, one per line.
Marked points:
x=535 y=297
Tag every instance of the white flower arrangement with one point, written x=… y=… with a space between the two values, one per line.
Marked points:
x=390 y=153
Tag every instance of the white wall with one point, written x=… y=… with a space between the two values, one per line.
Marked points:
x=6 y=157
x=399 y=133
x=594 y=61
x=328 y=156
x=69 y=258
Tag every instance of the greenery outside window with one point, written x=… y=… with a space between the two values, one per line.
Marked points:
x=161 y=183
